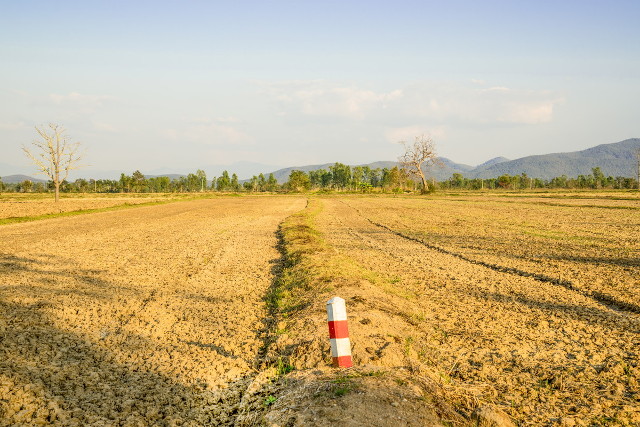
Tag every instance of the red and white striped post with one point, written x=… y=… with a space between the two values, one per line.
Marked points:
x=339 y=333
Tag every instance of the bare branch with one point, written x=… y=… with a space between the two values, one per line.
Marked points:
x=54 y=154
x=421 y=153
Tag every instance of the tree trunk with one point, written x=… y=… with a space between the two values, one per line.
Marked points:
x=57 y=184
x=424 y=184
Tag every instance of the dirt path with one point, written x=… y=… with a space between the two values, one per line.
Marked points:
x=138 y=316
x=540 y=351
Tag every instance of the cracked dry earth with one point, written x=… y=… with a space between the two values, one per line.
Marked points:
x=544 y=354
x=147 y=316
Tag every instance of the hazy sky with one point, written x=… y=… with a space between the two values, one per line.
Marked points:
x=181 y=85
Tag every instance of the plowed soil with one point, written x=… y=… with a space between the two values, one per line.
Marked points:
x=462 y=309
x=27 y=205
x=540 y=349
x=135 y=317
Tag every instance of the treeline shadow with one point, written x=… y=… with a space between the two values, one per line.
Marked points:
x=43 y=276
x=57 y=376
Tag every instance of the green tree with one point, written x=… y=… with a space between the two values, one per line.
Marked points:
x=316 y=177
x=81 y=185
x=559 y=182
x=138 y=182
x=235 y=185
x=340 y=175
x=125 y=183
x=598 y=177
x=26 y=186
x=504 y=181
x=159 y=184
x=298 y=181
x=272 y=183
x=395 y=179
x=224 y=182
x=375 y=177
x=457 y=180
x=252 y=184
x=357 y=176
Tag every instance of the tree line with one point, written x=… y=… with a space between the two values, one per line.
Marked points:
x=339 y=177
x=138 y=183
x=55 y=155
x=595 y=180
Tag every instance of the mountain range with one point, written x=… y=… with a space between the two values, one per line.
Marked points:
x=616 y=159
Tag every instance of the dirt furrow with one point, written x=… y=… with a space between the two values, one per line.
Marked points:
x=540 y=351
x=145 y=316
x=608 y=300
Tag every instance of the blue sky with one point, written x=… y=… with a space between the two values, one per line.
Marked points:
x=177 y=86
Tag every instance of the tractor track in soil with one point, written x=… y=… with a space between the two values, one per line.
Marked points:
x=607 y=300
x=544 y=348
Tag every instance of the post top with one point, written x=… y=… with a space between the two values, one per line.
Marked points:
x=335 y=300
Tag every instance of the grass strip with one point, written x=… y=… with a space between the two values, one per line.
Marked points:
x=298 y=242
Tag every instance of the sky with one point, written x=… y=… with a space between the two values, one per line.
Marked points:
x=167 y=86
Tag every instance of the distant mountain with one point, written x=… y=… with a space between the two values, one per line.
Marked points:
x=14 y=179
x=492 y=162
x=442 y=172
x=615 y=159
x=6 y=169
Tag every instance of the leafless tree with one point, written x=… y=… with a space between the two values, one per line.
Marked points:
x=420 y=154
x=54 y=154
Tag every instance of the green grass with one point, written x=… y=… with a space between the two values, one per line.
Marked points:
x=270 y=400
x=299 y=240
x=342 y=385
x=283 y=367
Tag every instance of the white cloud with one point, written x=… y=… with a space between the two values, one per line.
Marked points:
x=103 y=127
x=208 y=132
x=436 y=104
x=75 y=98
x=320 y=99
x=408 y=133
x=12 y=125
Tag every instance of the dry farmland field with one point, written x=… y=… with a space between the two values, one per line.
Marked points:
x=19 y=206
x=522 y=308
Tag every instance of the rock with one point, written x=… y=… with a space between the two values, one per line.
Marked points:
x=490 y=416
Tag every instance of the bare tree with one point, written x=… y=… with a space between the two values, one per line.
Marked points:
x=421 y=153
x=54 y=154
